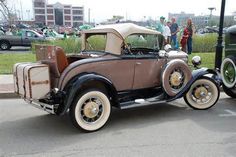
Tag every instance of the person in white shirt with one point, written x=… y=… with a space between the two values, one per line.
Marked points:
x=166 y=33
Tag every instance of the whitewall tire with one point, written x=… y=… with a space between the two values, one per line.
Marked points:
x=91 y=110
x=203 y=94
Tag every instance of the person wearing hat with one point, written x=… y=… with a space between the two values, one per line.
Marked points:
x=160 y=25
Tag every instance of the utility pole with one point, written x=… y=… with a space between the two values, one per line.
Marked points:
x=21 y=10
x=219 y=47
x=89 y=15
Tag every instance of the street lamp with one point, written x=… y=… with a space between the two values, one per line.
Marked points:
x=211 y=9
x=219 y=47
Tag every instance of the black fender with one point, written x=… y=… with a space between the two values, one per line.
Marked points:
x=196 y=74
x=76 y=83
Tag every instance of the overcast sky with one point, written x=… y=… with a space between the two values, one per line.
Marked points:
x=136 y=10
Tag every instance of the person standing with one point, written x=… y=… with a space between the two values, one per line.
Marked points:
x=190 y=35
x=167 y=33
x=160 y=27
x=184 y=39
x=174 y=29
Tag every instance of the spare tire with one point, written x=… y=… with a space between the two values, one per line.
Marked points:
x=175 y=76
x=228 y=71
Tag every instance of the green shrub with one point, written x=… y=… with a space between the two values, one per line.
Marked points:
x=204 y=43
x=70 y=45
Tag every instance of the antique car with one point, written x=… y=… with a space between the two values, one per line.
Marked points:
x=228 y=68
x=121 y=66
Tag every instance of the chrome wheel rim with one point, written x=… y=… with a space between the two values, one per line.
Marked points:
x=91 y=110
x=4 y=46
x=202 y=94
x=176 y=79
x=229 y=73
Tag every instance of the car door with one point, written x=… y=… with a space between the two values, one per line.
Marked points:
x=147 y=71
x=28 y=38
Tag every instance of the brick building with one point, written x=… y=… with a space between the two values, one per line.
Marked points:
x=57 y=14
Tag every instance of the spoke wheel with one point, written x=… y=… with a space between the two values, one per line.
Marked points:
x=203 y=94
x=91 y=110
x=175 y=76
x=228 y=71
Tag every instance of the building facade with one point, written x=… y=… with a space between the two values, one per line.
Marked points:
x=57 y=14
x=202 y=20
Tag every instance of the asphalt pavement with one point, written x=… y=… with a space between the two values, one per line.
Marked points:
x=171 y=129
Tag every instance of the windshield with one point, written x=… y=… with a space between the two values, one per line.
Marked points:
x=144 y=41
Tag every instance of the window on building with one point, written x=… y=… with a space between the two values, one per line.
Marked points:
x=39 y=11
x=67 y=18
x=39 y=4
x=77 y=18
x=50 y=11
x=77 y=12
x=66 y=11
x=50 y=17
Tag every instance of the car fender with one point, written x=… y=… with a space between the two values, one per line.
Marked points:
x=75 y=84
x=196 y=74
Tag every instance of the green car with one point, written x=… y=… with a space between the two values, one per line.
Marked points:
x=228 y=68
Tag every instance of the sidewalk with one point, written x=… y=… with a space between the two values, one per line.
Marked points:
x=7 y=87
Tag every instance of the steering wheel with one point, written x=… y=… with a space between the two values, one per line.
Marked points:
x=127 y=48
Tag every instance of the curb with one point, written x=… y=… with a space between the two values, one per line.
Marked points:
x=8 y=95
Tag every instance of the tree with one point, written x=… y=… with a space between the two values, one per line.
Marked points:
x=6 y=12
x=116 y=18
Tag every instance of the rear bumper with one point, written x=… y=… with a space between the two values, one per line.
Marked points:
x=45 y=107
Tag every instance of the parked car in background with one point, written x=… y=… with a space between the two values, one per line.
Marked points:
x=119 y=66
x=228 y=68
x=24 y=38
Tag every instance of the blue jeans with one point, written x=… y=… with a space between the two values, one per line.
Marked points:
x=189 y=45
x=173 y=41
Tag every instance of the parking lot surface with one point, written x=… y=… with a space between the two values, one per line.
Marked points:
x=171 y=129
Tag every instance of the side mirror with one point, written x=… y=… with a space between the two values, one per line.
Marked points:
x=196 y=61
x=35 y=36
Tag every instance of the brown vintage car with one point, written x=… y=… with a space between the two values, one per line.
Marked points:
x=119 y=66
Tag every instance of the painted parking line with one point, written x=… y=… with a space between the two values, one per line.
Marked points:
x=228 y=114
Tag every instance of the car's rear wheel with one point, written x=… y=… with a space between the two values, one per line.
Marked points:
x=4 y=45
x=90 y=110
x=203 y=94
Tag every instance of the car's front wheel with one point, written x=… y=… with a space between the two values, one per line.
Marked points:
x=90 y=110
x=203 y=94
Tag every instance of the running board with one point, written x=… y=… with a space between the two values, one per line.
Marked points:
x=142 y=102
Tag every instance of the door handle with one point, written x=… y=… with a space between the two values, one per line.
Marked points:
x=138 y=63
